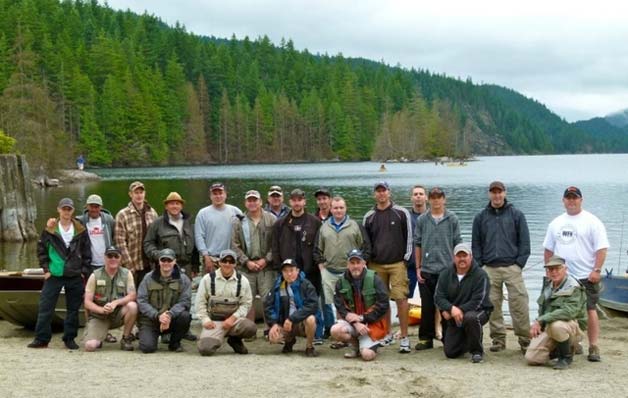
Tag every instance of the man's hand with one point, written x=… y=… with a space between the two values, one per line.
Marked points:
x=46 y=275
x=51 y=222
x=457 y=314
x=321 y=267
x=275 y=332
x=446 y=315
x=287 y=325
x=209 y=325
x=209 y=264
x=352 y=317
x=164 y=321
x=594 y=277
x=229 y=322
x=261 y=264
x=361 y=328
x=418 y=275
x=535 y=329
x=252 y=266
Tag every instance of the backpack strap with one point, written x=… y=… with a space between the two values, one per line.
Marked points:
x=212 y=276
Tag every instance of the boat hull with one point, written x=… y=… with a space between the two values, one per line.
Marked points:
x=614 y=294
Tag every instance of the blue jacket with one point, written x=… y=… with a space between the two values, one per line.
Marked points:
x=277 y=307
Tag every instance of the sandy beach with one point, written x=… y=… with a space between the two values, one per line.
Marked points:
x=57 y=372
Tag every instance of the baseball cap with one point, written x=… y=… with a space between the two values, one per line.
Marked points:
x=572 y=191
x=136 y=185
x=381 y=184
x=322 y=191
x=436 y=191
x=275 y=190
x=555 y=261
x=227 y=253
x=112 y=249
x=66 y=202
x=288 y=263
x=252 y=194
x=498 y=185
x=94 y=200
x=297 y=193
x=462 y=247
x=217 y=185
x=167 y=253
x=355 y=253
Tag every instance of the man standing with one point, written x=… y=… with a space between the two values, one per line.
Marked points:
x=291 y=308
x=501 y=243
x=275 y=204
x=110 y=299
x=65 y=256
x=223 y=300
x=336 y=237
x=389 y=229
x=362 y=302
x=252 y=242
x=173 y=230
x=418 y=197
x=294 y=236
x=100 y=226
x=213 y=226
x=580 y=238
x=163 y=299
x=131 y=227
x=561 y=314
x=462 y=296
x=323 y=201
x=437 y=233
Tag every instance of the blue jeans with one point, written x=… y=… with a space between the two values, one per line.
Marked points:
x=412 y=280
x=48 y=301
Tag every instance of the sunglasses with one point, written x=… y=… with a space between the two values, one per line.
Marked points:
x=113 y=255
x=166 y=260
x=228 y=261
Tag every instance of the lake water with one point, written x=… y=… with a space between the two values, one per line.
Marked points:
x=535 y=185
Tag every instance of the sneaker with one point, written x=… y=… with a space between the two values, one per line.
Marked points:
x=126 y=343
x=287 y=346
x=237 y=345
x=388 y=340
x=37 y=344
x=310 y=352
x=424 y=345
x=318 y=341
x=404 y=345
x=594 y=354
x=71 y=344
x=190 y=337
x=176 y=348
x=477 y=358
x=497 y=347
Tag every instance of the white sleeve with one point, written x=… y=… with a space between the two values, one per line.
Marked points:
x=600 y=239
x=549 y=243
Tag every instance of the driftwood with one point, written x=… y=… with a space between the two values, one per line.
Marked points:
x=17 y=206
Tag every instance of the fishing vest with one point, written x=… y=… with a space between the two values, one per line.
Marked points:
x=369 y=294
x=108 y=289
x=162 y=296
x=221 y=308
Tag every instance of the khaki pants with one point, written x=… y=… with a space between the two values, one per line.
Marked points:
x=510 y=276
x=556 y=332
x=210 y=340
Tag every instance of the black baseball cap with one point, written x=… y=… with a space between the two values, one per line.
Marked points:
x=572 y=191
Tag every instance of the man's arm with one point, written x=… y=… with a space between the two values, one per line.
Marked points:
x=184 y=299
x=477 y=238
x=120 y=239
x=88 y=301
x=310 y=303
x=202 y=297
x=246 y=299
x=150 y=245
x=523 y=244
x=478 y=295
x=200 y=232
x=547 y=254
x=366 y=243
x=441 y=299
x=142 y=301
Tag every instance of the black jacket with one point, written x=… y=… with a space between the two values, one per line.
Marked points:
x=78 y=257
x=470 y=294
x=500 y=237
x=163 y=234
x=277 y=307
x=297 y=245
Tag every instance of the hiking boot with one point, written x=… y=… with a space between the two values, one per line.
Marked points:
x=287 y=346
x=126 y=343
x=404 y=345
x=579 y=350
x=37 y=344
x=594 y=354
x=189 y=336
x=310 y=352
x=564 y=355
x=175 y=348
x=497 y=347
x=165 y=338
x=237 y=345
x=424 y=345
x=71 y=344
x=110 y=338
x=477 y=358
x=524 y=347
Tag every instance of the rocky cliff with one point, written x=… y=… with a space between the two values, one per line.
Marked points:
x=17 y=206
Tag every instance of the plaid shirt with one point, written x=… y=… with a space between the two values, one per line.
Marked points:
x=129 y=237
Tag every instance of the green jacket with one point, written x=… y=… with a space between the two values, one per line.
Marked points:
x=566 y=303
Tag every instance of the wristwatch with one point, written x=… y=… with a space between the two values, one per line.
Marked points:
x=597 y=270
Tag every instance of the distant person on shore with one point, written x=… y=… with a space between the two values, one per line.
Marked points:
x=556 y=331
x=389 y=229
x=163 y=299
x=462 y=296
x=580 y=238
x=275 y=204
x=437 y=233
x=418 y=197
x=252 y=241
x=291 y=308
x=336 y=237
x=80 y=162
x=132 y=224
x=362 y=302
x=501 y=244
x=222 y=303
x=213 y=226
x=65 y=256
x=294 y=237
x=110 y=299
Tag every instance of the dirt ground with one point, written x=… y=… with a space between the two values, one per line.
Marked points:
x=58 y=372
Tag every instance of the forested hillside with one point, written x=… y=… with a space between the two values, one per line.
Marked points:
x=125 y=89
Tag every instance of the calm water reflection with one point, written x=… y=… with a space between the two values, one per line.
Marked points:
x=535 y=185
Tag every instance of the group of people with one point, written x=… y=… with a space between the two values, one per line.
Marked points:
x=304 y=266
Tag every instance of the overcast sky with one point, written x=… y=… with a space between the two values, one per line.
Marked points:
x=571 y=56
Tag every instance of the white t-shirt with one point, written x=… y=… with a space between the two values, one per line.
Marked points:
x=97 y=239
x=576 y=239
x=67 y=235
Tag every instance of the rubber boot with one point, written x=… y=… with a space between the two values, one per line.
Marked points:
x=564 y=355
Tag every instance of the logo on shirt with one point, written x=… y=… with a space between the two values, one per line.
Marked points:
x=567 y=234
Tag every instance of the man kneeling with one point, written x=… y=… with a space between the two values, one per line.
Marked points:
x=290 y=309
x=562 y=311
x=361 y=301
x=224 y=298
x=110 y=299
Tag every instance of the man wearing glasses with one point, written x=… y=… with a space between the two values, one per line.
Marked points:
x=110 y=299
x=164 y=303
